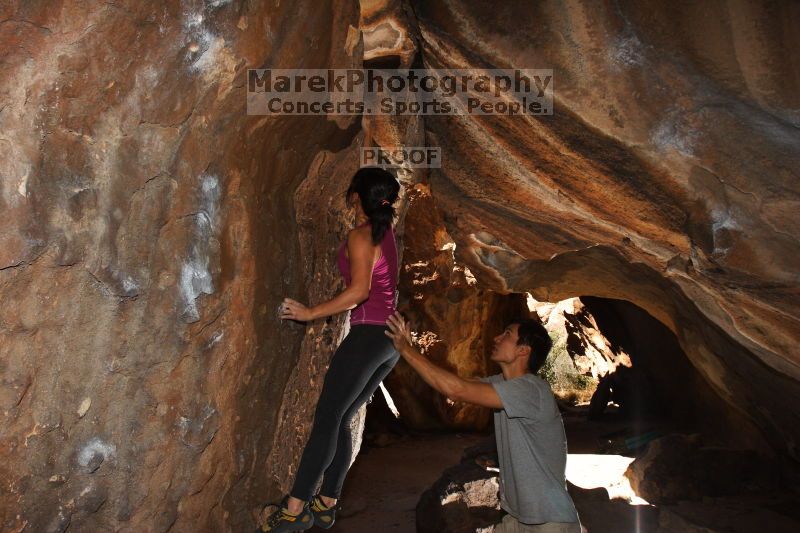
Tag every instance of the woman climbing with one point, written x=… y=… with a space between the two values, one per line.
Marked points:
x=368 y=263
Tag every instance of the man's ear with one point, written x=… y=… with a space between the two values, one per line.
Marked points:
x=525 y=350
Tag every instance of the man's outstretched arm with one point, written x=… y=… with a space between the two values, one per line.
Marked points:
x=447 y=383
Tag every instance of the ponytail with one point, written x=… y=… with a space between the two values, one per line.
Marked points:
x=378 y=191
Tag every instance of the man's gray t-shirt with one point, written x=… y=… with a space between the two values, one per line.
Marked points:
x=532 y=449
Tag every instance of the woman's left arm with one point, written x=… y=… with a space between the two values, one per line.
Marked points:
x=362 y=258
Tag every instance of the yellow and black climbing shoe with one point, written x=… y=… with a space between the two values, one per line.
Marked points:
x=282 y=521
x=324 y=516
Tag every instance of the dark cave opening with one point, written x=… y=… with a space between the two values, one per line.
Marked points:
x=611 y=362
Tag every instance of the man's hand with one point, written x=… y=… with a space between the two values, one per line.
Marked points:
x=440 y=379
x=294 y=310
x=399 y=332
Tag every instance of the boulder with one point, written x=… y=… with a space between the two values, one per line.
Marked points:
x=463 y=500
x=678 y=467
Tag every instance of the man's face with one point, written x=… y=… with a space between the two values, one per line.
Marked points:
x=505 y=345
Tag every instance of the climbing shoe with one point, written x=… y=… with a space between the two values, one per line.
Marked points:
x=324 y=516
x=282 y=521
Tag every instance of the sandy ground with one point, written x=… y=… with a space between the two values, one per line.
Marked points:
x=384 y=484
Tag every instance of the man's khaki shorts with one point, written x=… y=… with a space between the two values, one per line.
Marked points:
x=512 y=525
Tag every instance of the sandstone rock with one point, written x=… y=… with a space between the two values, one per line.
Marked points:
x=83 y=408
x=148 y=223
x=387 y=32
x=599 y=514
x=665 y=177
x=463 y=499
x=454 y=320
x=150 y=227
x=678 y=467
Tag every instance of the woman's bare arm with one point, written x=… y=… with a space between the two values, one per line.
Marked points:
x=361 y=253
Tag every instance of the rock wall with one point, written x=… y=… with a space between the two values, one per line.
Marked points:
x=147 y=236
x=667 y=175
x=454 y=320
x=149 y=227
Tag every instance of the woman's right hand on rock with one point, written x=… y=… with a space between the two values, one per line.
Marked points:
x=294 y=310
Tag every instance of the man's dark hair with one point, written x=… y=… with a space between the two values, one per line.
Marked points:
x=532 y=333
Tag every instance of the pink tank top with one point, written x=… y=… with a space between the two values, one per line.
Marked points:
x=382 y=300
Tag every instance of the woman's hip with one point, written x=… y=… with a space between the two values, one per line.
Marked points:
x=367 y=342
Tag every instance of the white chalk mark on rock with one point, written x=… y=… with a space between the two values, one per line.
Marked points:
x=196 y=277
x=95 y=452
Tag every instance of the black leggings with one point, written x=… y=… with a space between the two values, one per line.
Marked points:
x=363 y=359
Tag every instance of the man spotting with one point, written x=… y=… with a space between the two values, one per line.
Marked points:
x=531 y=443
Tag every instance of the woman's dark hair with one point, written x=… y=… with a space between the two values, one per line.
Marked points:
x=532 y=333
x=378 y=190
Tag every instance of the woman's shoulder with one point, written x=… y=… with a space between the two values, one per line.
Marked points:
x=359 y=235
